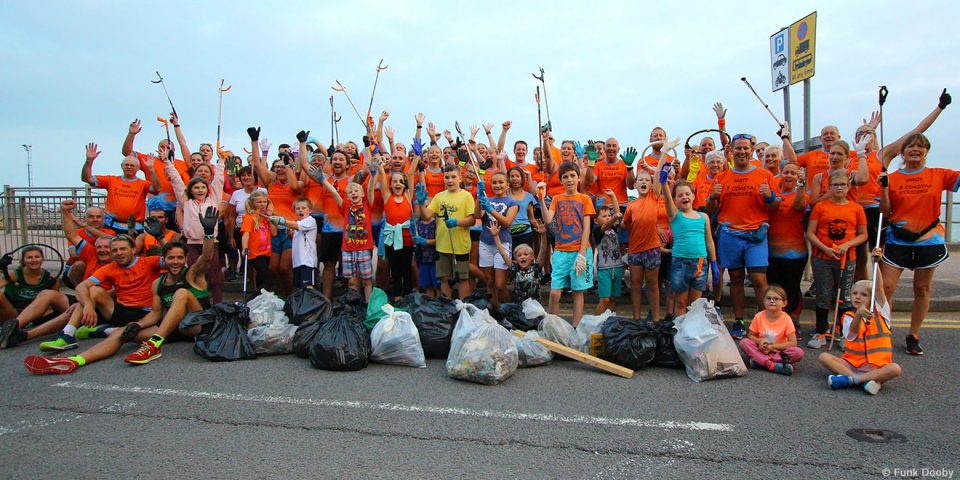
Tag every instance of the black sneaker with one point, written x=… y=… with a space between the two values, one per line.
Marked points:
x=913 y=346
x=10 y=333
x=130 y=332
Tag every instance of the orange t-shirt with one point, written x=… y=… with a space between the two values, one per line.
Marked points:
x=611 y=176
x=776 y=331
x=433 y=181
x=260 y=238
x=649 y=163
x=818 y=161
x=125 y=197
x=569 y=212
x=166 y=188
x=150 y=240
x=702 y=188
x=282 y=197
x=531 y=167
x=133 y=283
x=376 y=209
x=87 y=253
x=663 y=221
x=915 y=200
x=837 y=224
x=641 y=220
x=825 y=186
x=554 y=187
x=742 y=207
x=868 y=194
x=785 y=238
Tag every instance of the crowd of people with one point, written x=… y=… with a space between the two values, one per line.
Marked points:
x=446 y=215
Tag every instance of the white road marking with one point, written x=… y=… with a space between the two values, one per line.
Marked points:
x=39 y=423
x=395 y=407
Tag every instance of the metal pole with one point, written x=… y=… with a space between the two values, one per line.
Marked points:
x=786 y=104
x=806 y=115
x=23 y=220
x=29 y=149
x=7 y=209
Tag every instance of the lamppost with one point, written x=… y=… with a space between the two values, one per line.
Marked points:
x=29 y=149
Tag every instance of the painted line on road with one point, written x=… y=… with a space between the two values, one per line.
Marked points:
x=395 y=407
x=39 y=423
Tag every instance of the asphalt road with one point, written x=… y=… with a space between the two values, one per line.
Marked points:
x=276 y=417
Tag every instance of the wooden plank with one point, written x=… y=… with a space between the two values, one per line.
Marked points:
x=582 y=357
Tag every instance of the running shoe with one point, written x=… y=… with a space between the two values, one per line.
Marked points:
x=10 y=333
x=913 y=346
x=871 y=387
x=737 y=330
x=40 y=365
x=98 y=331
x=837 y=382
x=146 y=353
x=818 y=341
x=783 y=368
x=61 y=343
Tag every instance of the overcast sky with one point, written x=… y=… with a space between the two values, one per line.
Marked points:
x=80 y=71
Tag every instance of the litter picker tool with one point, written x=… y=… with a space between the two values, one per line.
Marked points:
x=333 y=121
x=160 y=81
x=876 y=264
x=342 y=89
x=539 y=131
x=469 y=153
x=545 y=102
x=836 y=309
x=380 y=67
x=166 y=125
x=744 y=79
x=220 y=112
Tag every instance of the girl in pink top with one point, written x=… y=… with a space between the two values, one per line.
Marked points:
x=772 y=339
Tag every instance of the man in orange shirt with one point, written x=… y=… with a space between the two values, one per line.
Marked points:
x=612 y=173
x=165 y=199
x=743 y=197
x=814 y=161
x=127 y=194
x=650 y=162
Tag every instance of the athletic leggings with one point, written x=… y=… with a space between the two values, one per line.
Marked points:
x=214 y=275
x=263 y=278
x=787 y=273
x=401 y=270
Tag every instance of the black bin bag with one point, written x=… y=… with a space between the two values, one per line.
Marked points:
x=434 y=318
x=629 y=342
x=306 y=304
x=341 y=344
x=223 y=336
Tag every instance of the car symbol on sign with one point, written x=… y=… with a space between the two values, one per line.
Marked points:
x=781 y=60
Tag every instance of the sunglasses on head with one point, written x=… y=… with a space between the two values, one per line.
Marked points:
x=743 y=135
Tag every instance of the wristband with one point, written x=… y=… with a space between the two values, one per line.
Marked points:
x=488 y=133
x=211 y=236
x=419 y=126
x=591 y=163
x=722 y=122
x=176 y=125
x=773 y=198
x=463 y=164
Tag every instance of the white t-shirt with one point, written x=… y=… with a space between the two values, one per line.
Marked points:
x=305 y=243
x=239 y=201
x=882 y=308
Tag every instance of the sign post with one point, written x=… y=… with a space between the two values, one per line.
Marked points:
x=780 y=67
x=803 y=43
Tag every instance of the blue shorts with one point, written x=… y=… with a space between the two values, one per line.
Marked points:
x=563 y=275
x=609 y=282
x=281 y=241
x=428 y=276
x=687 y=273
x=737 y=252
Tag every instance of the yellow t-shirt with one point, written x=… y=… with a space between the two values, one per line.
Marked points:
x=453 y=205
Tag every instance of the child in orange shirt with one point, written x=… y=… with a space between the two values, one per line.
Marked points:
x=256 y=240
x=643 y=245
x=771 y=342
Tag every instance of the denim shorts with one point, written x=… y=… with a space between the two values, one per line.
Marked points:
x=280 y=242
x=687 y=273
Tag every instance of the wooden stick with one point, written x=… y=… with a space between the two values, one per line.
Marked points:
x=582 y=357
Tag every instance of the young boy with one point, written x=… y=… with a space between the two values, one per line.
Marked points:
x=455 y=207
x=526 y=271
x=609 y=261
x=867 y=360
x=569 y=216
x=357 y=248
x=304 y=243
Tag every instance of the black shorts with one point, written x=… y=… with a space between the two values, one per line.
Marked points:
x=122 y=315
x=330 y=245
x=914 y=257
x=474 y=236
x=873 y=220
x=304 y=276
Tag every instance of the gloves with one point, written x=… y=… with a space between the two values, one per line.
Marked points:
x=152 y=226
x=482 y=187
x=366 y=141
x=784 y=130
x=579 y=149
x=945 y=99
x=592 y=154
x=302 y=136
x=254 y=133
x=715 y=271
x=316 y=173
x=629 y=156
x=276 y=220
x=417 y=147
x=246 y=252
x=463 y=155
x=670 y=145
x=6 y=261
x=312 y=139
x=450 y=223
x=665 y=174
x=883 y=179
x=580 y=265
x=132 y=226
x=420 y=192
x=418 y=240
x=485 y=204
x=861 y=146
x=209 y=221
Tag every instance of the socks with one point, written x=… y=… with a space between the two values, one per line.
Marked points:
x=108 y=331
x=79 y=359
x=70 y=330
x=156 y=340
x=855 y=379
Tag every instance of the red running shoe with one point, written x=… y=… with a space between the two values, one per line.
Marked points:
x=146 y=353
x=40 y=365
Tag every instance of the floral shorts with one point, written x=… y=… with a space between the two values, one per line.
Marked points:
x=648 y=259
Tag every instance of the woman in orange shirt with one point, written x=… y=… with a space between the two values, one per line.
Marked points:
x=787 y=244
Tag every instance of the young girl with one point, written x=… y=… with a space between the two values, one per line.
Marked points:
x=526 y=271
x=771 y=342
x=836 y=227
x=868 y=358
x=643 y=245
x=257 y=234
x=357 y=248
x=397 y=240
x=499 y=210
x=521 y=230
x=693 y=248
x=425 y=252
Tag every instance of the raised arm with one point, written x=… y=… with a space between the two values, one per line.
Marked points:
x=135 y=128
x=891 y=151
x=69 y=226
x=86 y=174
x=179 y=189
x=488 y=128
x=502 y=141
x=721 y=122
x=789 y=154
x=152 y=175
x=266 y=176
x=419 y=119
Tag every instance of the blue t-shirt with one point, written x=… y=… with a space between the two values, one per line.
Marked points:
x=500 y=205
x=521 y=223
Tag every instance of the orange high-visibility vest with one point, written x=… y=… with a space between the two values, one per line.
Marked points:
x=874 y=344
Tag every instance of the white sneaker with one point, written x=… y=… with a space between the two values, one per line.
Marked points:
x=871 y=387
x=817 y=342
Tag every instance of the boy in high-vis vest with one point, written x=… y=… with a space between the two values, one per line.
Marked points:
x=867 y=361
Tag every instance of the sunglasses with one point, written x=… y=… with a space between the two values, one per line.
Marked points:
x=743 y=135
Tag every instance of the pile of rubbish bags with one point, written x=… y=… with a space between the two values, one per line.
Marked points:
x=481 y=350
x=704 y=344
x=269 y=330
x=223 y=335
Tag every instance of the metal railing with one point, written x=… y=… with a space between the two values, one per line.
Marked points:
x=32 y=215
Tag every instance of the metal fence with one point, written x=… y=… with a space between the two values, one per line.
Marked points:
x=32 y=215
